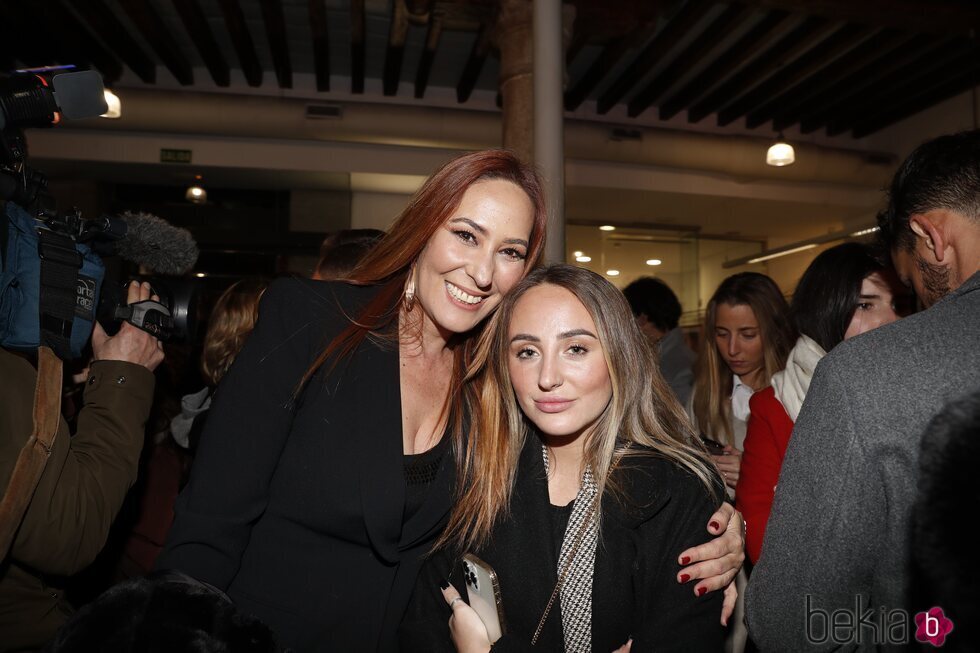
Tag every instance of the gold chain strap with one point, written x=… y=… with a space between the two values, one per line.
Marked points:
x=564 y=572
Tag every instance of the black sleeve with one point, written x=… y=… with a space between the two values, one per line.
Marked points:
x=670 y=617
x=425 y=627
x=247 y=428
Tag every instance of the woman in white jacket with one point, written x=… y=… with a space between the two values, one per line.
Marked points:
x=843 y=293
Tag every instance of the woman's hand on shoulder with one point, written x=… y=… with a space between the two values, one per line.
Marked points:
x=467 y=629
x=716 y=563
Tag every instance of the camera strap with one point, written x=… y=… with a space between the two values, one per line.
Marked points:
x=60 y=263
x=36 y=451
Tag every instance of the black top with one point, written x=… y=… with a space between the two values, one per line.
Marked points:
x=634 y=593
x=421 y=471
x=296 y=502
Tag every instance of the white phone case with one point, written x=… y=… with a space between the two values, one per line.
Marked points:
x=483 y=590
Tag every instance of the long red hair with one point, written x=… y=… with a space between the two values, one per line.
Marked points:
x=389 y=263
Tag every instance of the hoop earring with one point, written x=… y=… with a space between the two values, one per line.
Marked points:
x=410 y=290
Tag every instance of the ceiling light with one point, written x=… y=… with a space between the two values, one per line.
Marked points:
x=864 y=232
x=780 y=153
x=607 y=227
x=195 y=192
x=612 y=273
x=115 y=105
x=794 y=250
x=583 y=259
x=578 y=253
x=654 y=261
x=200 y=275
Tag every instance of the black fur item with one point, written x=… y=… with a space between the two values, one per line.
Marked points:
x=164 y=612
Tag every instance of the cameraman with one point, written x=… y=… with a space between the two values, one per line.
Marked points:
x=85 y=479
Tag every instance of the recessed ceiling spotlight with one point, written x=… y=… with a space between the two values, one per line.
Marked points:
x=200 y=275
x=612 y=273
x=578 y=253
x=654 y=261
x=583 y=259
x=607 y=227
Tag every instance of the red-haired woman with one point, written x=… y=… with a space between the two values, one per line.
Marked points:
x=328 y=464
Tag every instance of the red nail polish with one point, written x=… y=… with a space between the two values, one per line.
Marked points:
x=702 y=590
x=686 y=560
x=685 y=578
x=715 y=525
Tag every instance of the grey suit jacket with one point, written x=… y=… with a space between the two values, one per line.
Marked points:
x=839 y=529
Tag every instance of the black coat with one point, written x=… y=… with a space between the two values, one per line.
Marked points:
x=634 y=589
x=295 y=503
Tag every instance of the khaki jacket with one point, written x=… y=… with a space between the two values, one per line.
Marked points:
x=78 y=496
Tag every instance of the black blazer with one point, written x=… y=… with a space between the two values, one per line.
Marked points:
x=634 y=589
x=295 y=503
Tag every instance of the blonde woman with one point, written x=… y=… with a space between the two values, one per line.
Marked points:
x=598 y=488
x=748 y=335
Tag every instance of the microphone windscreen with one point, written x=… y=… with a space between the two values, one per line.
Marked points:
x=80 y=94
x=153 y=242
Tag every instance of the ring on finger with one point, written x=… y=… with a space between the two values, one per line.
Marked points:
x=453 y=602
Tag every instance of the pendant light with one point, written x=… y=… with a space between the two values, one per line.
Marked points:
x=780 y=153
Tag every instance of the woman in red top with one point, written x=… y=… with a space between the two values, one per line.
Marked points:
x=845 y=292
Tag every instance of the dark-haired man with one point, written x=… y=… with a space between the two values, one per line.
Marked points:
x=657 y=313
x=835 y=565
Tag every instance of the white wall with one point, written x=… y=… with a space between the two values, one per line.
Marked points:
x=375 y=210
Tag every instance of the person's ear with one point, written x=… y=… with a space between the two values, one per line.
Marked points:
x=924 y=226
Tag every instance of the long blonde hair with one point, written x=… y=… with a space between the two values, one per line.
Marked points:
x=643 y=410
x=230 y=324
x=713 y=379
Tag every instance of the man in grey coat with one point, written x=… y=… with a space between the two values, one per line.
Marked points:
x=834 y=573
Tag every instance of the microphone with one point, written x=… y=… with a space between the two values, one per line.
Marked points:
x=147 y=240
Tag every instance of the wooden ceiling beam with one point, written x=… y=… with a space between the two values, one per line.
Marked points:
x=784 y=110
x=196 y=24
x=156 y=33
x=729 y=20
x=321 y=44
x=432 y=37
x=942 y=90
x=907 y=87
x=72 y=29
x=357 y=54
x=109 y=30
x=758 y=38
x=275 y=30
x=855 y=89
x=787 y=49
x=789 y=76
x=940 y=17
x=605 y=62
x=242 y=40
x=670 y=35
x=395 y=52
x=474 y=65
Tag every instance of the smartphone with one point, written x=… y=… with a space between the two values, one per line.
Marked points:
x=483 y=590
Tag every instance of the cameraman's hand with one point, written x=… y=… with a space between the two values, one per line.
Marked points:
x=130 y=344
